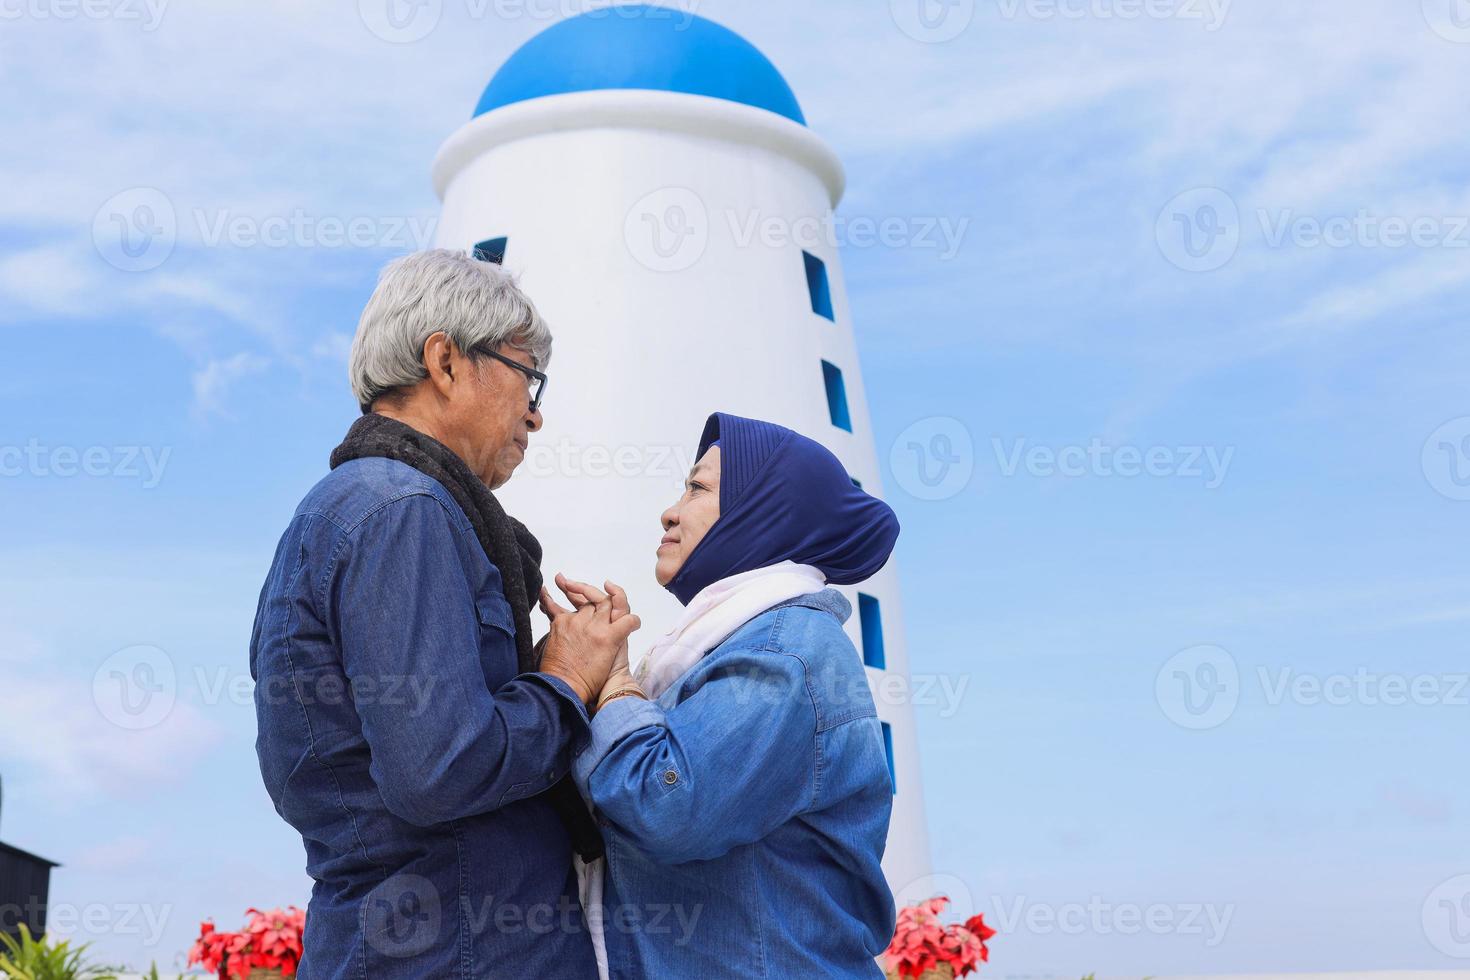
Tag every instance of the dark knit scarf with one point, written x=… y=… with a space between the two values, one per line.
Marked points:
x=507 y=543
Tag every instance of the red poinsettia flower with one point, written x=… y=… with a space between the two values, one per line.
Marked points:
x=270 y=941
x=922 y=941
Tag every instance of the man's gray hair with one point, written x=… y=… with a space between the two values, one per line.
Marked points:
x=477 y=304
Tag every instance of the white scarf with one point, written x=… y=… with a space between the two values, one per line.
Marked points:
x=718 y=610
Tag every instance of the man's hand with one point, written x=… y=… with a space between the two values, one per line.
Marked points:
x=581 y=595
x=585 y=645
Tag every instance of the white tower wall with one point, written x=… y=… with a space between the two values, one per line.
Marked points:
x=648 y=344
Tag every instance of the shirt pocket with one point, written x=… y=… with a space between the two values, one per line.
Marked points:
x=498 y=657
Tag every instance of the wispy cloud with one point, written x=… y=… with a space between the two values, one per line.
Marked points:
x=213 y=382
x=68 y=749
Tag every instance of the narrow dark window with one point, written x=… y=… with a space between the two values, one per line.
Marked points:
x=871 y=618
x=888 y=748
x=817 y=285
x=836 y=396
x=491 y=250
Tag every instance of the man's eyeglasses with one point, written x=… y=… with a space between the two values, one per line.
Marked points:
x=535 y=380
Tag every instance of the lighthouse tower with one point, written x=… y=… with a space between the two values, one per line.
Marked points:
x=650 y=177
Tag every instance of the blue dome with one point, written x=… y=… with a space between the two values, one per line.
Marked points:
x=639 y=46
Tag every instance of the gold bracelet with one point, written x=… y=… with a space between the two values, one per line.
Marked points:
x=620 y=693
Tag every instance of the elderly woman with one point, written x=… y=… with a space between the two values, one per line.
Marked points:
x=408 y=729
x=740 y=780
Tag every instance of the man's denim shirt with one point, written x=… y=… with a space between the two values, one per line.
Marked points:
x=397 y=737
x=746 y=810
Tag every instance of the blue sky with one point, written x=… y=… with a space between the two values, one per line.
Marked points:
x=1232 y=232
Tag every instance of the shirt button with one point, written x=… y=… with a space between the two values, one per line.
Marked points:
x=671 y=777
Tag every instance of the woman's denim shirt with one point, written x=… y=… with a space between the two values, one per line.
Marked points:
x=745 y=811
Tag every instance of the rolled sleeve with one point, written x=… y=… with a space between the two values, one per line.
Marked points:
x=610 y=726
x=735 y=759
x=562 y=688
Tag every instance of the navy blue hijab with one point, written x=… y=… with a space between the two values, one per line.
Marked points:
x=784 y=497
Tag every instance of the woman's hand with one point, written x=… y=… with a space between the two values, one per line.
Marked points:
x=620 y=680
x=585 y=646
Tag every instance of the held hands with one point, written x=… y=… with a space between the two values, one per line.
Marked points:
x=589 y=646
x=619 y=679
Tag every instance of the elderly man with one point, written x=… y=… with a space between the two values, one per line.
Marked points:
x=408 y=728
